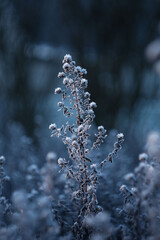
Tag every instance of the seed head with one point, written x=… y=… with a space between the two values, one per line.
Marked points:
x=87 y=95
x=62 y=162
x=68 y=139
x=65 y=81
x=84 y=71
x=60 y=104
x=93 y=105
x=58 y=90
x=123 y=188
x=102 y=130
x=52 y=126
x=80 y=128
x=84 y=82
x=120 y=136
x=61 y=74
x=67 y=58
x=78 y=69
x=90 y=111
x=66 y=67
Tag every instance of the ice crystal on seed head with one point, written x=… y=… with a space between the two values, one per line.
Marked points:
x=84 y=82
x=66 y=67
x=52 y=126
x=93 y=105
x=120 y=136
x=61 y=74
x=58 y=90
x=67 y=58
x=65 y=80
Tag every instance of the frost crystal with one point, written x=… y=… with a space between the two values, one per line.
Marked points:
x=65 y=81
x=66 y=67
x=67 y=58
x=52 y=126
x=84 y=82
x=120 y=136
x=93 y=105
x=58 y=90
x=61 y=74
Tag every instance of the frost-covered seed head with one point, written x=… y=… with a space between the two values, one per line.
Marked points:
x=93 y=105
x=84 y=82
x=143 y=157
x=78 y=69
x=93 y=166
x=60 y=104
x=61 y=162
x=84 y=71
x=68 y=139
x=66 y=67
x=52 y=126
x=65 y=81
x=2 y=160
x=58 y=90
x=90 y=112
x=87 y=95
x=61 y=74
x=123 y=188
x=67 y=58
x=80 y=128
x=120 y=136
x=74 y=143
x=101 y=130
x=73 y=63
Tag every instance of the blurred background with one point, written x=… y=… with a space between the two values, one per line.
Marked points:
x=116 y=41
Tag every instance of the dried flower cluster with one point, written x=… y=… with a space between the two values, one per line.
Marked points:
x=141 y=206
x=76 y=102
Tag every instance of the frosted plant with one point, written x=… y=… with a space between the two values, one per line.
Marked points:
x=141 y=206
x=5 y=206
x=76 y=103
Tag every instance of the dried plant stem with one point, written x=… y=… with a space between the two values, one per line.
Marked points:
x=84 y=187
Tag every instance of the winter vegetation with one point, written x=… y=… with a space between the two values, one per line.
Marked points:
x=81 y=161
x=60 y=200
